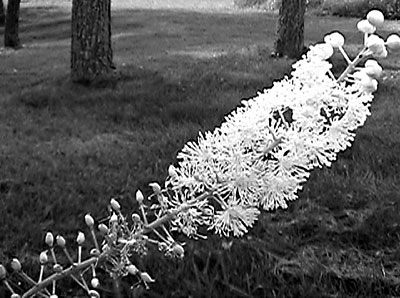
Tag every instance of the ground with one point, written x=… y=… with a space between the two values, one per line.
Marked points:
x=66 y=149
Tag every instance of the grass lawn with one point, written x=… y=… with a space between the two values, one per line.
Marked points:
x=66 y=149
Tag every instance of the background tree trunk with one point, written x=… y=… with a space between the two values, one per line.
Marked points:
x=290 y=32
x=11 y=38
x=91 y=52
x=2 y=13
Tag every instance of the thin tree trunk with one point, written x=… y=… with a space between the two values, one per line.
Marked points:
x=11 y=38
x=91 y=51
x=2 y=13
x=290 y=33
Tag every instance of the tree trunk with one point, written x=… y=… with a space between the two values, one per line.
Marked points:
x=91 y=52
x=2 y=13
x=11 y=38
x=290 y=33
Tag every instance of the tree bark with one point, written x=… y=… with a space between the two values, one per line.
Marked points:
x=290 y=32
x=2 y=13
x=91 y=51
x=11 y=37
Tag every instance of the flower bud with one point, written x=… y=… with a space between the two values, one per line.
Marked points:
x=172 y=171
x=93 y=294
x=178 y=251
x=95 y=282
x=135 y=218
x=156 y=188
x=366 y=27
x=16 y=265
x=115 y=205
x=114 y=218
x=103 y=229
x=89 y=220
x=335 y=39
x=81 y=238
x=3 y=272
x=146 y=277
x=43 y=259
x=49 y=239
x=132 y=269
x=139 y=197
x=53 y=296
x=376 y=18
x=393 y=42
x=60 y=241
x=372 y=68
x=375 y=44
x=15 y=295
x=57 y=268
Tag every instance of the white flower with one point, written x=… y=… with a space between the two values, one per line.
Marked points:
x=376 y=18
x=393 y=42
x=366 y=27
x=335 y=39
x=235 y=220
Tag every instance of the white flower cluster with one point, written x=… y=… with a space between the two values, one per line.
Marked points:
x=264 y=151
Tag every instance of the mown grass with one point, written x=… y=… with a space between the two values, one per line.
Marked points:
x=66 y=149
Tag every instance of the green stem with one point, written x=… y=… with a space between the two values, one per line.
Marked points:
x=351 y=67
x=66 y=272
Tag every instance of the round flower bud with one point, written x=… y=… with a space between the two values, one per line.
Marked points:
x=60 y=241
x=54 y=296
x=114 y=218
x=49 y=239
x=95 y=282
x=94 y=294
x=372 y=68
x=375 y=44
x=81 y=238
x=335 y=39
x=103 y=229
x=366 y=27
x=3 y=272
x=15 y=295
x=376 y=18
x=393 y=42
x=172 y=171
x=57 y=268
x=89 y=220
x=135 y=217
x=156 y=187
x=132 y=269
x=178 y=251
x=43 y=259
x=139 y=197
x=16 y=265
x=115 y=205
